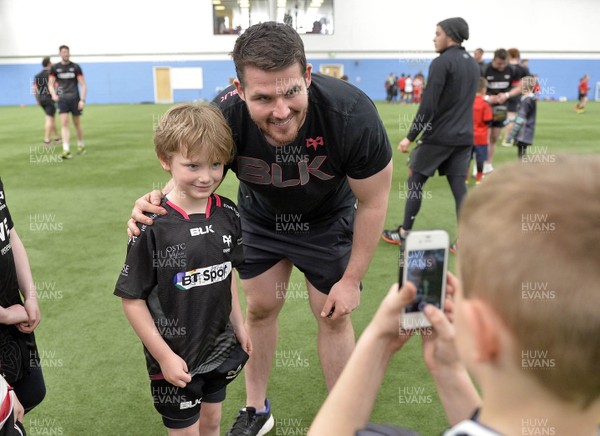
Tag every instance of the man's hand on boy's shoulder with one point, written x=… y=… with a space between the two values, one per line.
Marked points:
x=149 y=203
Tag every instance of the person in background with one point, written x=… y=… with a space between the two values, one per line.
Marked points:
x=44 y=99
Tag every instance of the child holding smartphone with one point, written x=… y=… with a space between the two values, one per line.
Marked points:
x=522 y=320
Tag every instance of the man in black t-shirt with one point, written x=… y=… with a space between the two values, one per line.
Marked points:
x=44 y=99
x=500 y=76
x=444 y=121
x=307 y=148
x=69 y=77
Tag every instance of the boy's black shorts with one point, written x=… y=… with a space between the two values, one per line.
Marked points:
x=69 y=104
x=48 y=106
x=180 y=407
x=320 y=252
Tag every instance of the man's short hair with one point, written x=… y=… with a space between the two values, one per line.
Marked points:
x=63 y=46
x=269 y=46
x=514 y=53
x=501 y=54
x=191 y=129
x=539 y=267
x=46 y=61
x=480 y=50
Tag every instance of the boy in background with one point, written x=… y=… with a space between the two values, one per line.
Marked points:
x=19 y=359
x=44 y=99
x=524 y=127
x=582 y=90
x=482 y=119
x=178 y=286
x=524 y=316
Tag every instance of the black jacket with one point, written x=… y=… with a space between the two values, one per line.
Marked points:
x=445 y=116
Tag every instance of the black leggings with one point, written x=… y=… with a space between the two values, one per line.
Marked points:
x=31 y=389
x=415 y=194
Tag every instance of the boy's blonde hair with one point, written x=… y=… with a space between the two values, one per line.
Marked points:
x=192 y=129
x=528 y=83
x=530 y=247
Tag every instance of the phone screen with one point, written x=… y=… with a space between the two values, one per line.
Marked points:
x=425 y=268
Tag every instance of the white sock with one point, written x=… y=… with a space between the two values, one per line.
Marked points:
x=66 y=147
x=80 y=144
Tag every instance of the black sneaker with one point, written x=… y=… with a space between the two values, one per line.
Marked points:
x=250 y=423
x=393 y=236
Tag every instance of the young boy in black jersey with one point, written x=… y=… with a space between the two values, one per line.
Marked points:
x=177 y=285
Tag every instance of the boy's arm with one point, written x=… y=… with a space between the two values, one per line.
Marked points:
x=14 y=314
x=350 y=402
x=26 y=284
x=173 y=367
x=236 y=318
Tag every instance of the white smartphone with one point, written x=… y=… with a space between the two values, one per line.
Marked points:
x=424 y=263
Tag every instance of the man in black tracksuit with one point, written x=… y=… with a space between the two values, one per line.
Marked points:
x=444 y=120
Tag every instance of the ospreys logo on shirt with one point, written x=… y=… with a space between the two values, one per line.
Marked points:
x=202 y=276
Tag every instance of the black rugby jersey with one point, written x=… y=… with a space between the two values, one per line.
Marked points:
x=500 y=81
x=66 y=76
x=9 y=286
x=40 y=82
x=18 y=351
x=341 y=136
x=182 y=266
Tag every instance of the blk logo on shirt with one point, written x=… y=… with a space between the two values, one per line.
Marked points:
x=259 y=172
x=201 y=230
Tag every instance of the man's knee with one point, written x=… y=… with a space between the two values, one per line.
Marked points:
x=262 y=309
x=330 y=326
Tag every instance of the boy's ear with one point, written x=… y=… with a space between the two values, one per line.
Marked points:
x=486 y=329
x=165 y=164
